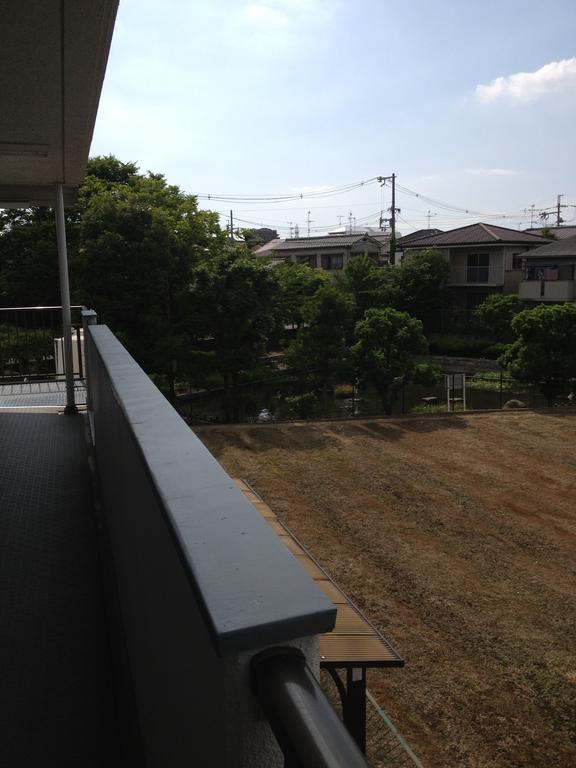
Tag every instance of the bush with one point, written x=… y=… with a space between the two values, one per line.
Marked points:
x=343 y=391
x=456 y=345
x=299 y=406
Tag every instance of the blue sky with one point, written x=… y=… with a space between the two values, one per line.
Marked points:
x=471 y=104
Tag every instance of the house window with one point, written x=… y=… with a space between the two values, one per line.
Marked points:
x=308 y=259
x=517 y=259
x=478 y=267
x=332 y=261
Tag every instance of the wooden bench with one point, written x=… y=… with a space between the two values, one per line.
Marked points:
x=354 y=645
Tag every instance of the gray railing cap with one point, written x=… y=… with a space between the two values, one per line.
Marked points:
x=253 y=591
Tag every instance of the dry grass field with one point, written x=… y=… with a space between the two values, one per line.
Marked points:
x=457 y=537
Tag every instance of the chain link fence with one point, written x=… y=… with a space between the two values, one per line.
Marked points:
x=385 y=746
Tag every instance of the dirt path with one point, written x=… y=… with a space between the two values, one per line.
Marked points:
x=457 y=536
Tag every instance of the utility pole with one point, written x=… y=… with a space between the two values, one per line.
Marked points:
x=558 y=206
x=231 y=228
x=309 y=222
x=350 y=222
x=430 y=214
x=290 y=223
x=393 y=212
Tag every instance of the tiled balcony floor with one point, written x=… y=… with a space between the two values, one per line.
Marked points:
x=56 y=701
x=35 y=394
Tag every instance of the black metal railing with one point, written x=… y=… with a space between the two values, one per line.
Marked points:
x=308 y=730
x=31 y=346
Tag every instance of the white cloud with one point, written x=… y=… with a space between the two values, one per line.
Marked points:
x=490 y=172
x=524 y=87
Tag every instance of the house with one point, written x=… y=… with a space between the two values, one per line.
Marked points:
x=330 y=252
x=484 y=259
x=549 y=272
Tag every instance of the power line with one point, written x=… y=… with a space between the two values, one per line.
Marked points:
x=281 y=198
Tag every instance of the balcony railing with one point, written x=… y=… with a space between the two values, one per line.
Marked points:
x=204 y=586
x=546 y=290
x=31 y=343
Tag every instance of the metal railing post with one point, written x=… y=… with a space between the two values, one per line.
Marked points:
x=65 y=294
x=89 y=317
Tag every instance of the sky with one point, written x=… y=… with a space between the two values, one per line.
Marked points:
x=472 y=106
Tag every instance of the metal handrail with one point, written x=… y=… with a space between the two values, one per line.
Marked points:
x=19 y=309
x=307 y=729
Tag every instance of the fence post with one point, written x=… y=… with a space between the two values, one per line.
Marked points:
x=89 y=317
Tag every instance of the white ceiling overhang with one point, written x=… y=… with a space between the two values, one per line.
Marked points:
x=53 y=56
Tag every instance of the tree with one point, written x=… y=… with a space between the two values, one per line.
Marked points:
x=28 y=257
x=366 y=283
x=133 y=241
x=494 y=316
x=297 y=283
x=387 y=341
x=323 y=339
x=419 y=285
x=544 y=352
x=547 y=232
x=230 y=316
x=139 y=241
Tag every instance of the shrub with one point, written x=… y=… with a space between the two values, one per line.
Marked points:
x=456 y=345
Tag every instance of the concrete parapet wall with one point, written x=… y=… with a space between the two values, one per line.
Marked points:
x=203 y=582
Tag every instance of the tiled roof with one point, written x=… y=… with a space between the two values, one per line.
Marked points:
x=330 y=241
x=478 y=234
x=417 y=235
x=557 y=249
x=559 y=232
x=264 y=250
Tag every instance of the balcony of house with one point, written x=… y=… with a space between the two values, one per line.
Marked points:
x=553 y=283
x=546 y=290
x=152 y=615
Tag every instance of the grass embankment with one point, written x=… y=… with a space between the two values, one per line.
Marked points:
x=457 y=537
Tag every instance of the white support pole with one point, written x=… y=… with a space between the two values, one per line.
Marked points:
x=65 y=298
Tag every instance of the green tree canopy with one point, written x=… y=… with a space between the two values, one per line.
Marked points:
x=545 y=350
x=297 y=284
x=419 y=285
x=367 y=284
x=139 y=241
x=323 y=340
x=29 y=257
x=387 y=341
x=494 y=316
x=230 y=315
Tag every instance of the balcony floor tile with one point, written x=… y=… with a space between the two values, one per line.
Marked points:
x=56 y=701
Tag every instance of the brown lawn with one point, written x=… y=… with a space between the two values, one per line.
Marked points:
x=457 y=537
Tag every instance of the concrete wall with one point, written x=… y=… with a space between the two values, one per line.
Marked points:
x=203 y=581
